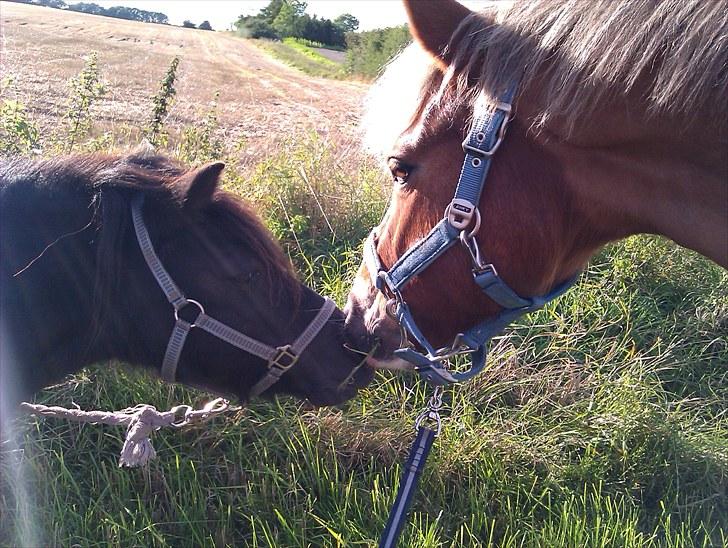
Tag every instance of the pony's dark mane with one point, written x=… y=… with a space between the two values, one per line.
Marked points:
x=582 y=51
x=111 y=181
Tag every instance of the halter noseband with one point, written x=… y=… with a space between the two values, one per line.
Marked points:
x=279 y=359
x=485 y=137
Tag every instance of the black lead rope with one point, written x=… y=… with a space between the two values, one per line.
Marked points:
x=412 y=470
x=408 y=483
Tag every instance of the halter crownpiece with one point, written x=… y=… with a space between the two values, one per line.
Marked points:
x=485 y=137
x=280 y=359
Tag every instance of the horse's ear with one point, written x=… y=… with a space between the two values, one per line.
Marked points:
x=200 y=184
x=433 y=22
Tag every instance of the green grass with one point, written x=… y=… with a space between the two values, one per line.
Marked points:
x=600 y=421
x=303 y=57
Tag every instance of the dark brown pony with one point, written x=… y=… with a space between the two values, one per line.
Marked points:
x=76 y=289
x=620 y=127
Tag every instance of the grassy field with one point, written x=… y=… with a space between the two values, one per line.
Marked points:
x=601 y=420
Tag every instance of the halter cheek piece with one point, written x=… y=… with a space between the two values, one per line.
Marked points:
x=483 y=140
x=279 y=359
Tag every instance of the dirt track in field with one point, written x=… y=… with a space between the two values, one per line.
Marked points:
x=261 y=99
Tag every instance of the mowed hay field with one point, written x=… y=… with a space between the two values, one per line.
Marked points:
x=601 y=421
x=261 y=99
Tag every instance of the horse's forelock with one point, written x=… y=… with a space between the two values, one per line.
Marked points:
x=394 y=102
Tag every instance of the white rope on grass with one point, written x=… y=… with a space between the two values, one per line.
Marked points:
x=140 y=422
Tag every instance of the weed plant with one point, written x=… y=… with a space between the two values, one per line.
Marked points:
x=18 y=134
x=154 y=131
x=85 y=90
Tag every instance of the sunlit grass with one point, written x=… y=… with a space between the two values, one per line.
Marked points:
x=302 y=57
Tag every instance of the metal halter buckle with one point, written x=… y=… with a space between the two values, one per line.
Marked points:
x=285 y=354
x=469 y=149
x=485 y=268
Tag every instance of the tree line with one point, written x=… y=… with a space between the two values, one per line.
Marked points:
x=288 y=18
x=120 y=12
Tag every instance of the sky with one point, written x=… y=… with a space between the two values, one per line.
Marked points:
x=221 y=14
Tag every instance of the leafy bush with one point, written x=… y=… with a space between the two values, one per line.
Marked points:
x=255 y=27
x=367 y=52
x=199 y=142
x=18 y=134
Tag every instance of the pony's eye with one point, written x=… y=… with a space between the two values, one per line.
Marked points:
x=246 y=278
x=400 y=171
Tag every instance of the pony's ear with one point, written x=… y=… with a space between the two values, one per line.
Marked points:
x=145 y=149
x=433 y=22
x=198 y=185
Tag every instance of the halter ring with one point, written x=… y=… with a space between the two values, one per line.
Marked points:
x=459 y=213
x=183 y=304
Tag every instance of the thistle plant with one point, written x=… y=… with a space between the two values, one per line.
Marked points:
x=154 y=130
x=86 y=89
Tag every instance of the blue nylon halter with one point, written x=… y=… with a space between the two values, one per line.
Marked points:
x=485 y=137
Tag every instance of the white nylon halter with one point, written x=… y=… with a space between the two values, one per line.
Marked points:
x=280 y=359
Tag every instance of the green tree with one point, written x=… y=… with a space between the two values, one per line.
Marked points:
x=346 y=22
x=286 y=22
x=270 y=12
x=87 y=7
x=60 y=4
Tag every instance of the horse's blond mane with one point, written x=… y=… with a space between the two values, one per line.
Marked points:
x=675 y=51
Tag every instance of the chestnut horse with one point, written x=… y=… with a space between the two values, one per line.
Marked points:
x=78 y=285
x=618 y=126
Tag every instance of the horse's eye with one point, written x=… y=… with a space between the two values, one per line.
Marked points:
x=400 y=171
